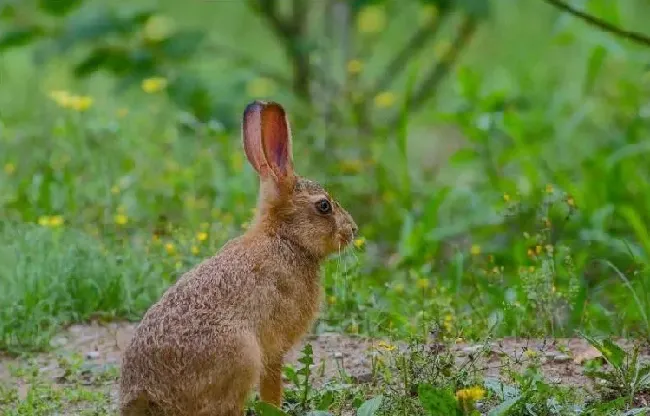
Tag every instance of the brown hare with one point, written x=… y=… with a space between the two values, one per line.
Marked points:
x=227 y=323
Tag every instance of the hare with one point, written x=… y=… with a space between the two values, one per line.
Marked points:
x=226 y=324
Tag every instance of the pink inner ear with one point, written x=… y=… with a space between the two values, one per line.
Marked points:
x=252 y=132
x=276 y=139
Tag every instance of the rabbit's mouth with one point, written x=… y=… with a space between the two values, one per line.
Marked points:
x=345 y=239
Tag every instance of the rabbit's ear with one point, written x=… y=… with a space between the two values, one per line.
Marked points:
x=276 y=141
x=252 y=137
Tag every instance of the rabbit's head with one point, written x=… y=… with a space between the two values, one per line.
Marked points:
x=290 y=206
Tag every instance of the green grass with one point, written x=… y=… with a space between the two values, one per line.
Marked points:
x=52 y=277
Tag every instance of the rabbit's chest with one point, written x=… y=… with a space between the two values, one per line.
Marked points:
x=294 y=309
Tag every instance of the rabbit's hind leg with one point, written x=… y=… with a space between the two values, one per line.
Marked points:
x=234 y=378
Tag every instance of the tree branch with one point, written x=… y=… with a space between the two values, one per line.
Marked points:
x=401 y=59
x=601 y=24
x=291 y=32
x=448 y=60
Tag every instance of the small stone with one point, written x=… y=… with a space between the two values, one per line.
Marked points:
x=92 y=355
x=555 y=380
x=338 y=355
x=561 y=358
x=58 y=342
x=472 y=349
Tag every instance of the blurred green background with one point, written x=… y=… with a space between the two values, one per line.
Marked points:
x=494 y=154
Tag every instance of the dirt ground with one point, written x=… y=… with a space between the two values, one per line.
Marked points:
x=561 y=359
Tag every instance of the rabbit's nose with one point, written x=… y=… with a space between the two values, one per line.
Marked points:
x=355 y=230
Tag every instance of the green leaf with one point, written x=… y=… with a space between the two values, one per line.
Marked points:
x=502 y=390
x=115 y=60
x=594 y=66
x=605 y=9
x=479 y=9
x=370 y=407
x=267 y=409
x=307 y=355
x=59 y=7
x=462 y=156
x=357 y=5
x=440 y=4
x=19 y=37
x=613 y=353
x=504 y=407
x=437 y=402
x=182 y=45
x=100 y=24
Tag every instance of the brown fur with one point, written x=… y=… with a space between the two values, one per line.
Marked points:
x=227 y=324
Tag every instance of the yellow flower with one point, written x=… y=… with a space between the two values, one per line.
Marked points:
x=56 y=221
x=50 y=221
x=170 y=248
x=383 y=345
x=359 y=242
x=202 y=236
x=538 y=249
x=531 y=269
x=475 y=250
x=153 y=85
x=61 y=97
x=331 y=300
x=422 y=283
x=570 y=201
x=371 y=19
x=355 y=66
x=506 y=197
x=471 y=394
x=158 y=28
x=195 y=250
x=428 y=13
x=9 y=168
x=81 y=103
x=549 y=189
x=121 y=219
x=385 y=99
x=351 y=166
x=260 y=87
x=530 y=353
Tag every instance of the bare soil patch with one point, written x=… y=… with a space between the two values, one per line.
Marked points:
x=101 y=345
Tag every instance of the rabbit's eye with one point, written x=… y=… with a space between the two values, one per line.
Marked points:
x=324 y=206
